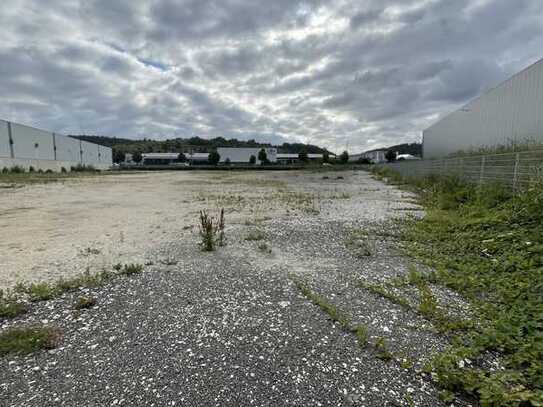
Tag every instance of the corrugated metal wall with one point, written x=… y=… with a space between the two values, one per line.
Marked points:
x=509 y=113
x=5 y=150
x=33 y=147
x=68 y=149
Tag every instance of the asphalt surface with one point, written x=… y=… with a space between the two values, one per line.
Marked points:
x=230 y=328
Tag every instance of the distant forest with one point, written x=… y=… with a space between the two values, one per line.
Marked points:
x=121 y=146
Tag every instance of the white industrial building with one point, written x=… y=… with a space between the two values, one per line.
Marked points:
x=511 y=113
x=243 y=155
x=375 y=156
x=26 y=147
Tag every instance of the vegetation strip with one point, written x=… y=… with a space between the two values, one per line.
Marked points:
x=13 y=303
x=28 y=339
x=487 y=244
x=361 y=331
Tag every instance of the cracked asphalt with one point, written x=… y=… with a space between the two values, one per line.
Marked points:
x=229 y=328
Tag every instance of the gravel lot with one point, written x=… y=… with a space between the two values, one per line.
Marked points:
x=226 y=328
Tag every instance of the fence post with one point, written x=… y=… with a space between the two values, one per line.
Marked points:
x=482 y=172
x=515 y=173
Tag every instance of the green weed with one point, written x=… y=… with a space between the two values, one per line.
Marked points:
x=28 y=340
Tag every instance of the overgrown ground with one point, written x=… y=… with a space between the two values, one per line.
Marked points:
x=332 y=288
x=486 y=244
x=280 y=315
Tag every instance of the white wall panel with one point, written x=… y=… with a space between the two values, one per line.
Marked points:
x=106 y=155
x=67 y=148
x=511 y=112
x=32 y=143
x=5 y=151
x=90 y=153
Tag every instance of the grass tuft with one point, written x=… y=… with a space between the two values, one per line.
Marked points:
x=130 y=269
x=28 y=340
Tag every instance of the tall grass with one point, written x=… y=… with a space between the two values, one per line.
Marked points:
x=487 y=244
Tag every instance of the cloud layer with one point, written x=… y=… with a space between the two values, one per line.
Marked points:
x=356 y=73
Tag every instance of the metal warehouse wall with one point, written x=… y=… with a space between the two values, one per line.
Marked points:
x=509 y=113
x=32 y=143
x=5 y=151
x=68 y=149
x=26 y=146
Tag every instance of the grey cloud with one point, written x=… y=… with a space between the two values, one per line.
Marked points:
x=362 y=72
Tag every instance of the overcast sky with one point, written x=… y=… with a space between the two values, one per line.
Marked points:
x=362 y=73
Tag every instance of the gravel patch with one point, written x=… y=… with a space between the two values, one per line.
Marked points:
x=230 y=327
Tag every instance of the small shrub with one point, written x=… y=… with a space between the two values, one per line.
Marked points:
x=63 y=170
x=49 y=171
x=31 y=169
x=17 y=169
x=85 y=302
x=28 y=340
x=130 y=269
x=5 y=170
x=117 y=267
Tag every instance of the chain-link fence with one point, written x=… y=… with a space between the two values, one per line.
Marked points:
x=517 y=170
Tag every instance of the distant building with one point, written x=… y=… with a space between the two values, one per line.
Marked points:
x=291 y=158
x=406 y=157
x=243 y=155
x=375 y=156
x=159 y=158
x=509 y=114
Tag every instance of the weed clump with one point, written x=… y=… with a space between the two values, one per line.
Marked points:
x=130 y=269
x=10 y=306
x=362 y=335
x=28 y=340
x=85 y=302
x=211 y=231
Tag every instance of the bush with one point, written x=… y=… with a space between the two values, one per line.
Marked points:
x=31 y=169
x=17 y=170
x=252 y=159
x=214 y=158
x=63 y=170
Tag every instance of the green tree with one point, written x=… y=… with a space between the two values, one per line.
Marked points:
x=252 y=160
x=137 y=157
x=390 y=156
x=118 y=156
x=303 y=157
x=325 y=157
x=262 y=156
x=214 y=158
x=344 y=157
x=181 y=158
